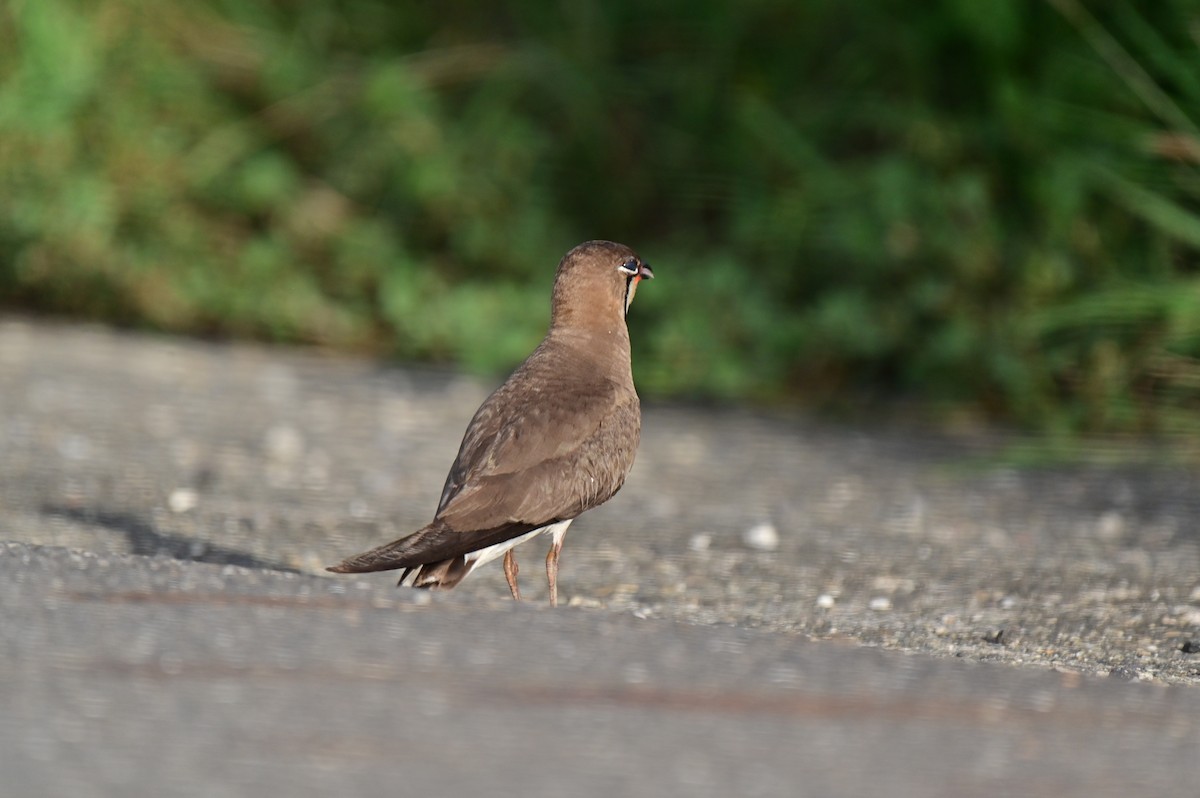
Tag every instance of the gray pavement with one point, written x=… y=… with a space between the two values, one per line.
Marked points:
x=772 y=606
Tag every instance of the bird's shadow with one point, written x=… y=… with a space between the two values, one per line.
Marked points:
x=144 y=539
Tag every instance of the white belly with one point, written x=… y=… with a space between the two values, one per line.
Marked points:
x=495 y=552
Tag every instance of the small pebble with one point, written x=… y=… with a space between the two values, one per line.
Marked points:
x=826 y=601
x=182 y=499
x=1126 y=672
x=284 y=443
x=880 y=604
x=761 y=537
x=700 y=542
x=1110 y=526
x=74 y=447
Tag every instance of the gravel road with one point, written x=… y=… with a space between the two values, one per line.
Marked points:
x=169 y=505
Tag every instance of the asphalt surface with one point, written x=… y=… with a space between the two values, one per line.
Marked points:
x=771 y=606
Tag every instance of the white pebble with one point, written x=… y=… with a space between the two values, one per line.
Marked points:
x=761 y=537
x=1110 y=526
x=880 y=604
x=182 y=499
x=700 y=542
x=284 y=443
x=826 y=601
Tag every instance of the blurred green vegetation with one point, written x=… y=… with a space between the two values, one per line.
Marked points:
x=988 y=205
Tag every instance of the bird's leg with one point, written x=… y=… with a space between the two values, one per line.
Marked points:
x=552 y=570
x=510 y=573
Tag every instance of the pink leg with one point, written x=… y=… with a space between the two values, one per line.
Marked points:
x=552 y=571
x=510 y=573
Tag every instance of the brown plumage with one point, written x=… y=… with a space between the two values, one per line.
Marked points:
x=556 y=439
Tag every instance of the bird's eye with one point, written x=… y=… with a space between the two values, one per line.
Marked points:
x=629 y=267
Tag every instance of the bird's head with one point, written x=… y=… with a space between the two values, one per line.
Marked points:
x=596 y=282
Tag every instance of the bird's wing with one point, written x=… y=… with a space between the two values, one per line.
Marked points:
x=540 y=457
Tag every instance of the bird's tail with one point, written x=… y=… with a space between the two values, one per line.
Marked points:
x=408 y=553
x=388 y=557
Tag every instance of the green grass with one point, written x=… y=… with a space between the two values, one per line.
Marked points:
x=984 y=206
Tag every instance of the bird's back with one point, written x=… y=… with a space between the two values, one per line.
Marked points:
x=556 y=439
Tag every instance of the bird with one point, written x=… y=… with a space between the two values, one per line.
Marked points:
x=556 y=439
